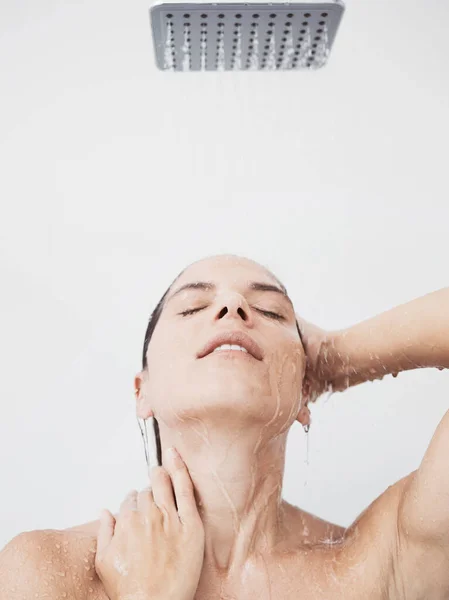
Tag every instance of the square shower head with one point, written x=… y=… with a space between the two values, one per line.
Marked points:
x=250 y=36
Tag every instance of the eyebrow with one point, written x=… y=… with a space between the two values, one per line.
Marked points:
x=253 y=286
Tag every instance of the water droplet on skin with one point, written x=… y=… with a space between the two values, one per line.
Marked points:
x=395 y=374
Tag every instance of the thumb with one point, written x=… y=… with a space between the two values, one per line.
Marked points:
x=105 y=531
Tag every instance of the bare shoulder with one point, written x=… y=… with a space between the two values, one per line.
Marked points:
x=359 y=560
x=52 y=563
x=371 y=545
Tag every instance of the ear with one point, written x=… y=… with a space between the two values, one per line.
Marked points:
x=143 y=410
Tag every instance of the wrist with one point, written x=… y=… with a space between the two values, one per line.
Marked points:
x=345 y=360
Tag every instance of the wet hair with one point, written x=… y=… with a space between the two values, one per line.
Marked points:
x=153 y=321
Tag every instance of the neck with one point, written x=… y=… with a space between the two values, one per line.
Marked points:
x=238 y=484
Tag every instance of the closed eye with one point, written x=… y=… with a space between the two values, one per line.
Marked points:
x=191 y=311
x=267 y=313
x=271 y=314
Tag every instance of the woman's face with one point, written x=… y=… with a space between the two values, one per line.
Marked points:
x=234 y=387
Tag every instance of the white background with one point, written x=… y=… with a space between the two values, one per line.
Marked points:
x=114 y=176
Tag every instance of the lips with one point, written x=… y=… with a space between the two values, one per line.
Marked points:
x=232 y=337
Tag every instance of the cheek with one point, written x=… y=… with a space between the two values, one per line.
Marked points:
x=286 y=372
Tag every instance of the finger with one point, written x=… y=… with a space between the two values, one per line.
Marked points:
x=145 y=500
x=129 y=503
x=183 y=487
x=163 y=490
x=105 y=531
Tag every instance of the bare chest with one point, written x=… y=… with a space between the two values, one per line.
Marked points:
x=319 y=574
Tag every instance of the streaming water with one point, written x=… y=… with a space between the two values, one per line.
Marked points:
x=254 y=57
x=186 y=51
x=168 y=56
x=271 y=60
x=203 y=49
x=237 y=63
x=322 y=52
x=220 y=52
x=305 y=50
x=288 y=51
x=306 y=429
x=144 y=432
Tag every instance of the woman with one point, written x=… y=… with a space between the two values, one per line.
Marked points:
x=214 y=524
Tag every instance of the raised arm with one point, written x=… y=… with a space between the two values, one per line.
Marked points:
x=410 y=336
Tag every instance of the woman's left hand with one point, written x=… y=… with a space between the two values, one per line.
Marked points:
x=320 y=366
x=153 y=550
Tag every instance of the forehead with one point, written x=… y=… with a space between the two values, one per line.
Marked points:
x=226 y=270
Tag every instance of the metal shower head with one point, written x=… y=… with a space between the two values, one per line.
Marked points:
x=250 y=36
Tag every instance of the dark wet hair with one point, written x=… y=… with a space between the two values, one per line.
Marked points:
x=153 y=321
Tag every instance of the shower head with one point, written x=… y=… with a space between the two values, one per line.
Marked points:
x=244 y=36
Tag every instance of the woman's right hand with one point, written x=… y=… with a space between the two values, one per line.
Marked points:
x=153 y=550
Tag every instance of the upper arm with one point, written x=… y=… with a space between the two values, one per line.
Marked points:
x=423 y=519
x=424 y=506
x=31 y=566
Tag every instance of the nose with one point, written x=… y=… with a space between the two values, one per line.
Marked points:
x=234 y=306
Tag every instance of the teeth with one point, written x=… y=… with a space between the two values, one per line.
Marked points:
x=230 y=347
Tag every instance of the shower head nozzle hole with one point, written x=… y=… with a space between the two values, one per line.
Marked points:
x=186 y=16
x=204 y=16
x=322 y=23
x=221 y=16
x=255 y=16
x=238 y=16
x=272 y=16
x=290 y=15
x=324 y=15
x=169 y=16
x=307 y=15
